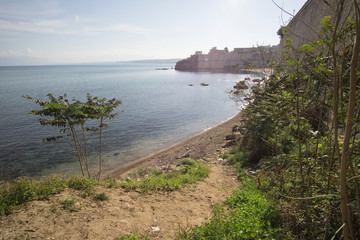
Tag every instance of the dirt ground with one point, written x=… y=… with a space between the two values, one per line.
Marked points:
x=159 y=215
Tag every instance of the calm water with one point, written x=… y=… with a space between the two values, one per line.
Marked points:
x=159 y=109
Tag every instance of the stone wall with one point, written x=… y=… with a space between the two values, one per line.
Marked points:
x=305 y=26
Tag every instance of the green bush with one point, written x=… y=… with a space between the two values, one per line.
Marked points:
x=101 y=197
x=86 y=185
x=239 y=159
x=248 y=215
x=82 y=183
x=69 y=205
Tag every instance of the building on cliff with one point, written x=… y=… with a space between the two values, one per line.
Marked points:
x=223 y=60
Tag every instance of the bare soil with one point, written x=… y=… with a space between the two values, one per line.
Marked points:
x=160 y=215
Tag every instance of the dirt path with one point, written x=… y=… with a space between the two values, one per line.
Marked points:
x=160 y=215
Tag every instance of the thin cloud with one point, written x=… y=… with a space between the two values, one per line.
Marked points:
x=33 y=16
x=58 y=26
x=130 y=28
x=17 y=52
x=118 y=28
x=42 y=26
x=30 y=9
x=47 y=17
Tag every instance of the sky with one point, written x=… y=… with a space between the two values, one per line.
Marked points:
x=82 y=31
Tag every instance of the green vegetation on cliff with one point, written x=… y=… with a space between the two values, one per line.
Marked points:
x=302 y=129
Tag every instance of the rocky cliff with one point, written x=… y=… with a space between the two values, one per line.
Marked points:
x=189 y=64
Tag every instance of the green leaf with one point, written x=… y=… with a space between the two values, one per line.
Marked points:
x=306 y=48
x=54 y=105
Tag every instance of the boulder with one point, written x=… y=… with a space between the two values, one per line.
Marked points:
x=241 y=85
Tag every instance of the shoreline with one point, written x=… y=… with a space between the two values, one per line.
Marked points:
x=208 y=144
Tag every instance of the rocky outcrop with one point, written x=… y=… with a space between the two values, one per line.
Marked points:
x=189 y=64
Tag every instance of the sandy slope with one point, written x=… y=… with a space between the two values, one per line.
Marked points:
x=160 y=215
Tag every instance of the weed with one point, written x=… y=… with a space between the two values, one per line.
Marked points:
x=239 y=159
x=50 y=186
x=156 y=172
x=186 y=162
x=22 y=190
x=224 y=155
x=246 y=215
x=86 y=185
x=132 y=237
x=111 y=183
x=69 y=205
x=101 y=197
x=190 y=171
x=81 y=183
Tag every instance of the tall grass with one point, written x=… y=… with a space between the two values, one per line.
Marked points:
x=188 y=171
x=22 y=190
x=246 y=214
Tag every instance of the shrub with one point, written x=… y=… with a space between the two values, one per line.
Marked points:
x=101 y=197
x=69 y=205
x=239 y=159
x=86 y=185
x=248 y=215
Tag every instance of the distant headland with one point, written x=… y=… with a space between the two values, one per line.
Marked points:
x=223 y=60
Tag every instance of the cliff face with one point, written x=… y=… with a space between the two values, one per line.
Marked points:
x=218 y=60
x=189 y=64
x=305 y=27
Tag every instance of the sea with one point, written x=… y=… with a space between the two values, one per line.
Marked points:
x=160 y=107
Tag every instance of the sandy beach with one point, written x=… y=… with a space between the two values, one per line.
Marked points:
x=206 y=145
